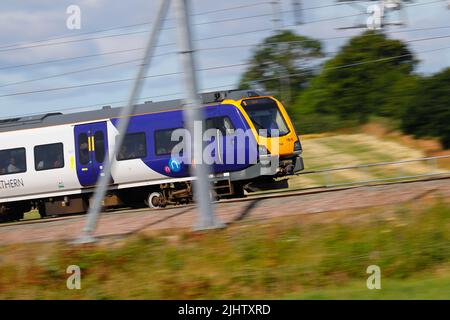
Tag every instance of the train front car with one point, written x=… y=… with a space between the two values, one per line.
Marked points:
x=279 y=147
x=275 y=133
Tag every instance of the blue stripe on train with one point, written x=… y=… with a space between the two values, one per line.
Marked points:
x=149 y=123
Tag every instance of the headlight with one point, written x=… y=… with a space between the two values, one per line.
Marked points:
x=297 y=146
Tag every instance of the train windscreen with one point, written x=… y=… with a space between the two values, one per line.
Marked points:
x=265 y=114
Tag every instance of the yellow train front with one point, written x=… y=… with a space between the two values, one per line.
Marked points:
x=280 y=150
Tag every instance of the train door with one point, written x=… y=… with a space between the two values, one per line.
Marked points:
x=236 y=147
x=223 y=127
x=91 y=145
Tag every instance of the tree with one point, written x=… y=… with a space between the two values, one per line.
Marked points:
x=357 y=81
x=429 y=113
x=399 y=96
x=284 y=54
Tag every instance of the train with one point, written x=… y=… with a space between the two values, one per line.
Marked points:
x=51 y=162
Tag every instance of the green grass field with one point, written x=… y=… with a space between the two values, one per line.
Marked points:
x=437 y=288
x=304 y=257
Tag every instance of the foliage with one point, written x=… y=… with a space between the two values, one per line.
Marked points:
x=428 y=114
x=371 y=76
x=282 y=54
x=360 y=79
x=308 y=123
x=400 y=95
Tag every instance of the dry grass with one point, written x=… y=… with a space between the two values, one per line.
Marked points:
x=340 y=150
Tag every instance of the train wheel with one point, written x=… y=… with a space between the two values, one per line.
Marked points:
x=18 y=216
x=41 y=210
x=155 y=200
x=238 y=190
x=10 y=217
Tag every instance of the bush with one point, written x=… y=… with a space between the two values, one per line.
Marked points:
x=429 y=113
x=317 y=123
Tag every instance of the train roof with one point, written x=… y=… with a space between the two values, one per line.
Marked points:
x=106 y=112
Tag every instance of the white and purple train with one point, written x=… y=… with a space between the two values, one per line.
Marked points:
x=52 y=162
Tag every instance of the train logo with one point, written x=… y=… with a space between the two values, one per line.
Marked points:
x=174 y=165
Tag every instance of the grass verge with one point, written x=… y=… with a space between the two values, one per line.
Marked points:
x=313 y=257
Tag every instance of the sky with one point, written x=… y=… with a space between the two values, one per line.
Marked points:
x=25 y=24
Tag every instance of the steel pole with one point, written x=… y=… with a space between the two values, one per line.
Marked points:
x=297 y=6
x=193 y=119
x=276 y=16
x=124 y=119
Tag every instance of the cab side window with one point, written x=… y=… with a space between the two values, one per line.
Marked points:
x=223 y=124
x=12 y=161
x=49 y=156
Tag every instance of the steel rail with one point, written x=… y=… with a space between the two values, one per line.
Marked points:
x=378 y=164
x=281 y=193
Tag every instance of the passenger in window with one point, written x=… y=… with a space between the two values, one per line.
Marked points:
x=58 y=162
x=141 y=151
x=162 y=150
x=42 y=162
x=12 y=167
x=40 y=165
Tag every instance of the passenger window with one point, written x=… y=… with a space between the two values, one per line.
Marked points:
x=223 y=124
x=49 y=156
x=12 y=161
x=163 y=141
x=134 y=146
x=99 y=144
x=83 y=148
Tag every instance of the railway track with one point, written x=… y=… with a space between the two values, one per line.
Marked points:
x=118 y=224
x=251 y=197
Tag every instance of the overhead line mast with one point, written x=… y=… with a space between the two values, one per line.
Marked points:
x=87 y=235
x=193 y=119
